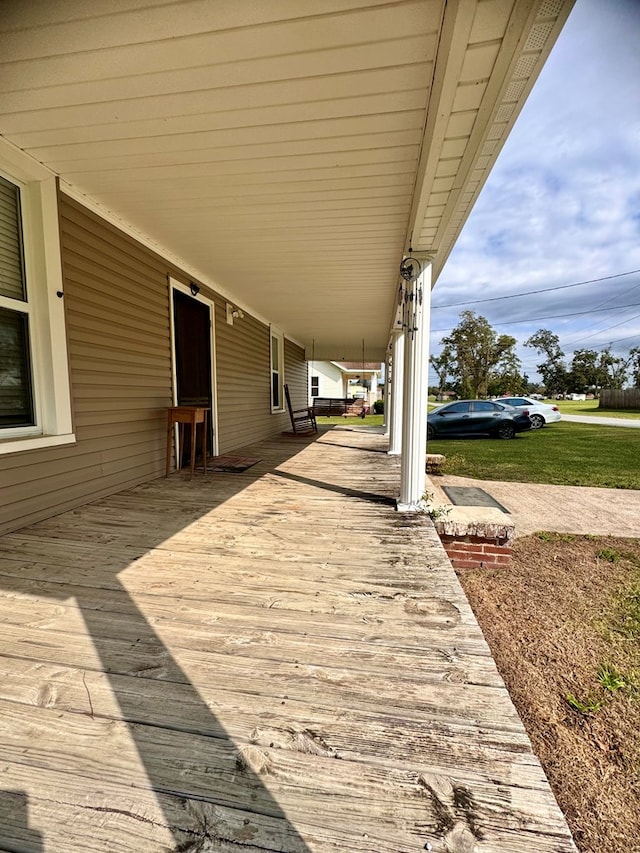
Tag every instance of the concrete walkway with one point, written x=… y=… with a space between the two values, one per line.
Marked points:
x=561 y=509
x=603 y=421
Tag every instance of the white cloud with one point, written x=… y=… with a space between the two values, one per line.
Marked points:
x=563 y=202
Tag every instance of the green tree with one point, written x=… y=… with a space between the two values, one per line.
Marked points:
x=442 y=366
x=477 y=354
x=506 y=378
x=612 y=370
x=553 y=370
x=634 y=366
x=584 y=373
x=592 y=370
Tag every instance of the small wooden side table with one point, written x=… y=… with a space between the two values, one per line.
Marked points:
x=182 y=415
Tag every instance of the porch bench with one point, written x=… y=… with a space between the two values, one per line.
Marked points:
x=356 y=409
x=330 y=406
x=339 y=407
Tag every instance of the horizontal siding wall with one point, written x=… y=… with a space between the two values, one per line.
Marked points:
x=242 y=369
x=117 y=313
x=296 y=375
x=244 y=381
x=117 y=309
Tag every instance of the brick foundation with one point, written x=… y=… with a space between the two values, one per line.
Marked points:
x=476 y=537
x=476 y=552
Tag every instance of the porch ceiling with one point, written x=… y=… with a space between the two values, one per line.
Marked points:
x=287 y=153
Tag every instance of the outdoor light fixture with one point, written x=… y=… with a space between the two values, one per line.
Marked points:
x=193 y=287
x=233 y=313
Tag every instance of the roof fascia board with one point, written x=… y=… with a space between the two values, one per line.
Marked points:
x=456 y=26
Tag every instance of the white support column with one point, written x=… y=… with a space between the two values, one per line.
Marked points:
x=385 y=396
x=396 y=393
x=416 y=391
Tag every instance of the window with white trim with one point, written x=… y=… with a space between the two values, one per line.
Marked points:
x=315 y=386
x=16 y=393
x=277 y=370
x=35 y=404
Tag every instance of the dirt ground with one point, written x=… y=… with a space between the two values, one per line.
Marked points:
x=564 y=627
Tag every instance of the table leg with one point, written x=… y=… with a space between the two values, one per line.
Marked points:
x=180 y=446
x=193 y=446
x=169 y=443
x=204 y=442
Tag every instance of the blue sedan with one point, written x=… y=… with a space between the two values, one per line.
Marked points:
x=476 y=417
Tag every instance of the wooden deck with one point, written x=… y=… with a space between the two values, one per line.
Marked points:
x=268 y=661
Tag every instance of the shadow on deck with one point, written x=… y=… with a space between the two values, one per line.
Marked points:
x=267 y=661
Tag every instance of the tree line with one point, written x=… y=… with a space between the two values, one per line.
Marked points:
x=477 y=362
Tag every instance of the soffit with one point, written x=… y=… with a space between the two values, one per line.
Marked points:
x=287 y=153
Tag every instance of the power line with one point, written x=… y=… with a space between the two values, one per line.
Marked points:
x=617 y=296
x=617 y=341
x=554 y=317
x=596 y=308
x=597 y=346
x=533 y=292
x=606 y=329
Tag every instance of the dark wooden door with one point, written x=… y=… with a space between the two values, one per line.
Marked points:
x=192 y=341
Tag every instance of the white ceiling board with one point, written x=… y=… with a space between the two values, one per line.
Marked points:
x=283 y=151
x=65 y=145
x=48 y=29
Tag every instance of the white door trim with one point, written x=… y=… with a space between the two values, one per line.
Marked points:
x=199 y=297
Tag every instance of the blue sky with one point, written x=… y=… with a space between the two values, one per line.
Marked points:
x=562 y=204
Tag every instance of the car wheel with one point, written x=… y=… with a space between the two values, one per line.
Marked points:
x=431 y=433
x=506 y=430
x=537 y=421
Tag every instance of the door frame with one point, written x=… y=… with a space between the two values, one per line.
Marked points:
x=210 y=304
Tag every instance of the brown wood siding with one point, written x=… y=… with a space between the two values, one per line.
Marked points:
x=117 y=309
x=296 y=371
x=116 y=303
x=244 y=380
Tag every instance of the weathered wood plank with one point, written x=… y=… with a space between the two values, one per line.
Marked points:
x=110 y=816
x=272 y=661
x=202 y=566
x=353 y=733
x=410 y=625
x=283 y=679
x=308 y=779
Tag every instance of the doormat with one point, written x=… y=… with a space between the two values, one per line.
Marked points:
x=471 y=496
x=230 y=464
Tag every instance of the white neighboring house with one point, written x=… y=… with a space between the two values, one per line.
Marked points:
x=345 y=379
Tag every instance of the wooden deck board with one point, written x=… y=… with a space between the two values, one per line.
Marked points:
x=268 y=661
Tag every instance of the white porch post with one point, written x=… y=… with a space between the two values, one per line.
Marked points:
x=396 y=393
x=416 y=391
x=386 y=415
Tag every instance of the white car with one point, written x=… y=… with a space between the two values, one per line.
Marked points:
x=540 y=414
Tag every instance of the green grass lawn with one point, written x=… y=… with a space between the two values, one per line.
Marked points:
x=564 y=454
x=590 y=407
